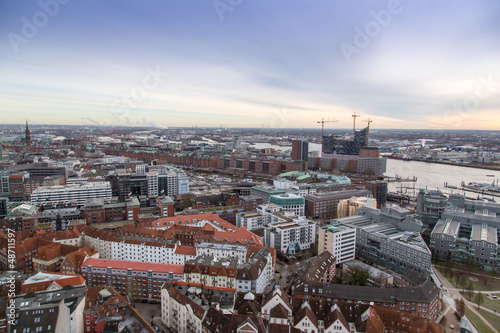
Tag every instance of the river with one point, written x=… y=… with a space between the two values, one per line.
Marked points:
x=429 y=175
x=433 y=175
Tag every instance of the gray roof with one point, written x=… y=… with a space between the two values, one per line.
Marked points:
x=447 y=227
x=484 y=232
x=423 y=293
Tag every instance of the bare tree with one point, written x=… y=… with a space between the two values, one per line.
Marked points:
x=485 y=277
x=470 y=290
x=134 y=290
x=471 y=264
x=479 y=299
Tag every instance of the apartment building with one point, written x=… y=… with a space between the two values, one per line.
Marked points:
x=105 y=307
x=250 y=220
x=181 y=313
x=58 y=311
x=251 y=276
x=138 y=280
x=420 y=301
x=292 y=235
x=220 y=251
x=339 y=240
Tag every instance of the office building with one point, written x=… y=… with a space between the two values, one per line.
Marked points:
x=324 y=204
x=152 y=178
x=289 y=203
x=351 y=206
x=265 y=192
x=339 y=240
x=430 y=206
x=391 y=238
x=300 y=150
x=76 y=192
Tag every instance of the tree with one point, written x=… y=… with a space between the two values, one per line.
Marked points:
x=460 y=305
x=479 y=299
x=448 y=264
x=485 y=277
x=470 y=290
x=134 y=290
x=461 y=282
x=471 y=264
x=357 y=276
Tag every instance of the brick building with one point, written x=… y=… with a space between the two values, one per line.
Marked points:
x=137 y=280
x=324 y=205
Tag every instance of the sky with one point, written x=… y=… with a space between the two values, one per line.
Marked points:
x=405 y=64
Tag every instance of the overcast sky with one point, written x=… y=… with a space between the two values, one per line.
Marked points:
x=251 y=63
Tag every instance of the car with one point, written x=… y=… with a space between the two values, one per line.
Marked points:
x=452 y=326
x=156 y=328
x=288 y=280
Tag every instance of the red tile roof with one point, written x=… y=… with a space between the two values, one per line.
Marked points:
x=65 y=280
x=186 y=250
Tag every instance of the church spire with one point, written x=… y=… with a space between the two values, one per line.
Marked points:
x=28 y=135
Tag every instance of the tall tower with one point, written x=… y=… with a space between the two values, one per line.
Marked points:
x=28 y=135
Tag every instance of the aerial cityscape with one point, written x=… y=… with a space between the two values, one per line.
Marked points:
x=249 y=166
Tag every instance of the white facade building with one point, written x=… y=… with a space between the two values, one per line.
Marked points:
x=132 y=250
x=75 y=192
x=182 y=183
x=250 y=220
x=339 y=240
x=152 y=183
x=180 y=313
x=140 y=169
x=222 y=251
x=292 y=235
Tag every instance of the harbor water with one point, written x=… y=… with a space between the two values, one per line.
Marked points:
x=433 y=176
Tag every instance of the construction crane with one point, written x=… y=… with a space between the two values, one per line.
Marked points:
x=323 y=121
x=368 y=131
x=354 y=116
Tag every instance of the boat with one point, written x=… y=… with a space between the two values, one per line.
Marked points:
x=490 y=175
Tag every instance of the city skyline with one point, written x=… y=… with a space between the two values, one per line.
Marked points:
x=256 y=64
